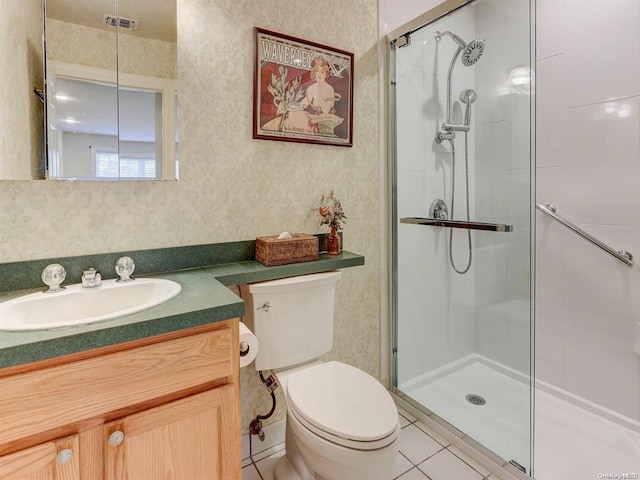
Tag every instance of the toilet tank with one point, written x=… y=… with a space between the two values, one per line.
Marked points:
x=291 y=317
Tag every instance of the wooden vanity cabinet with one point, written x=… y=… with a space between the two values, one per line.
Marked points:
x=165 y=407
x=55 y=460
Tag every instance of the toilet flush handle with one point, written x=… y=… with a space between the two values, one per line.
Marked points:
x=265 y=307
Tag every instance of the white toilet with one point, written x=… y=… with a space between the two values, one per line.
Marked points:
x=341 y=422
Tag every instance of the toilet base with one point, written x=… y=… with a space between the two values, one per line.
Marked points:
x=284 y=471
x=291 y=466
x=308 y=457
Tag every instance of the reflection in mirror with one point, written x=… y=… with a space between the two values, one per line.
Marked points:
x=111 y=70
x=100 y=130
x=22 y=154
x=74 y=129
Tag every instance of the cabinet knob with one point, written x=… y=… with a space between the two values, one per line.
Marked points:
x=116 y=438
x=64 y=456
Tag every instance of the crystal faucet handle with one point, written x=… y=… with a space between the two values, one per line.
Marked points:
x=53 y=275
x=124 y=269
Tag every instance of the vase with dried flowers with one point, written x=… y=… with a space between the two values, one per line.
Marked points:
x=332 y=214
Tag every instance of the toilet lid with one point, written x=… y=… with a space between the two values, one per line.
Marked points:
x=343 y=401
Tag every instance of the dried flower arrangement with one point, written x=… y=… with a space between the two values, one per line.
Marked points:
x=331 y=211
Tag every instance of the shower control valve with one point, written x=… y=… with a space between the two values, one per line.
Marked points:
x=438 y=209
x=445 y=135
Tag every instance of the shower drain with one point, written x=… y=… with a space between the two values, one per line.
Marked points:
x=475 y=399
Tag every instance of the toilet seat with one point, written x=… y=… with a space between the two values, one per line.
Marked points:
x=343 y=405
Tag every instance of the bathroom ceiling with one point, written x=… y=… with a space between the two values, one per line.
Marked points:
x=94 y=108
x=156 y=18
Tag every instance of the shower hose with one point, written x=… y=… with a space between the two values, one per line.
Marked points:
x=453 y=196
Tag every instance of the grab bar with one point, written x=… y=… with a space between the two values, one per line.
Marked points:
x=621 y=255
x=437 y=222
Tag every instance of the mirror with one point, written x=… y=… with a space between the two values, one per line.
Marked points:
x=111 y=90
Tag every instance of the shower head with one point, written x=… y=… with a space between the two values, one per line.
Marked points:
x=472 y=51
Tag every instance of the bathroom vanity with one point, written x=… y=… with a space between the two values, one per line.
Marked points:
x=151 y=395
x=168 y=405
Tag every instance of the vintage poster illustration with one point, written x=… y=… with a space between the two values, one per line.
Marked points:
x=303 y=91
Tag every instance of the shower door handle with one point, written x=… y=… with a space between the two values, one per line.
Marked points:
x=437 y=222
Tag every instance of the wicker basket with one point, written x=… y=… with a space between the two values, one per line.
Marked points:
x=301 y=247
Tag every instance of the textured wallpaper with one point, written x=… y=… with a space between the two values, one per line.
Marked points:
x=233 y=187
x=71 y=43
x=21 y=113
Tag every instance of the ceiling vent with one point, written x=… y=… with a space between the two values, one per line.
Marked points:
x=122 y=22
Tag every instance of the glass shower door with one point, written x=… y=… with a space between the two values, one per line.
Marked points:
x=462 y=248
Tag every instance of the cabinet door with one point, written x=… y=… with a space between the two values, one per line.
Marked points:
x=56 y=460
x=196 y=438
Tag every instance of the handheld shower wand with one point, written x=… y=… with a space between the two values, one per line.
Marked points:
x=468 y=96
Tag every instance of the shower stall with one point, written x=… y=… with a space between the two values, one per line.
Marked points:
x=559 y=397
x=462 y=216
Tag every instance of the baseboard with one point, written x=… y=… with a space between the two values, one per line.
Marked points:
x=254 y=448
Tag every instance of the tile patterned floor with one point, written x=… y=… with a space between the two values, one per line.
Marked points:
x=423 y=455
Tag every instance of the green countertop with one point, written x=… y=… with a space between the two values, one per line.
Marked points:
x=204 y=299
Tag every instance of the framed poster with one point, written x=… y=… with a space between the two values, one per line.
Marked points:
x=303 y=91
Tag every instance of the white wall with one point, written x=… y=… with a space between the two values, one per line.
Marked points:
x=79 y=155
x=588 y=150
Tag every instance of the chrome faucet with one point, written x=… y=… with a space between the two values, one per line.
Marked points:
x=53 y=275
x=124 y=269
x=91 y=278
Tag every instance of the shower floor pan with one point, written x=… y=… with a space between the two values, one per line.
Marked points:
x=570 y=442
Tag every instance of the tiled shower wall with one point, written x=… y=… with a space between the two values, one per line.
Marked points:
x=435 y=304
x=446 y=316
x=503 y=184
x=588 y=150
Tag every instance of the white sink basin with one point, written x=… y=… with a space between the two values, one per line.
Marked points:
x=76 y=305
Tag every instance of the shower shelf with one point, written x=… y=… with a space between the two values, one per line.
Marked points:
x=437 y=222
